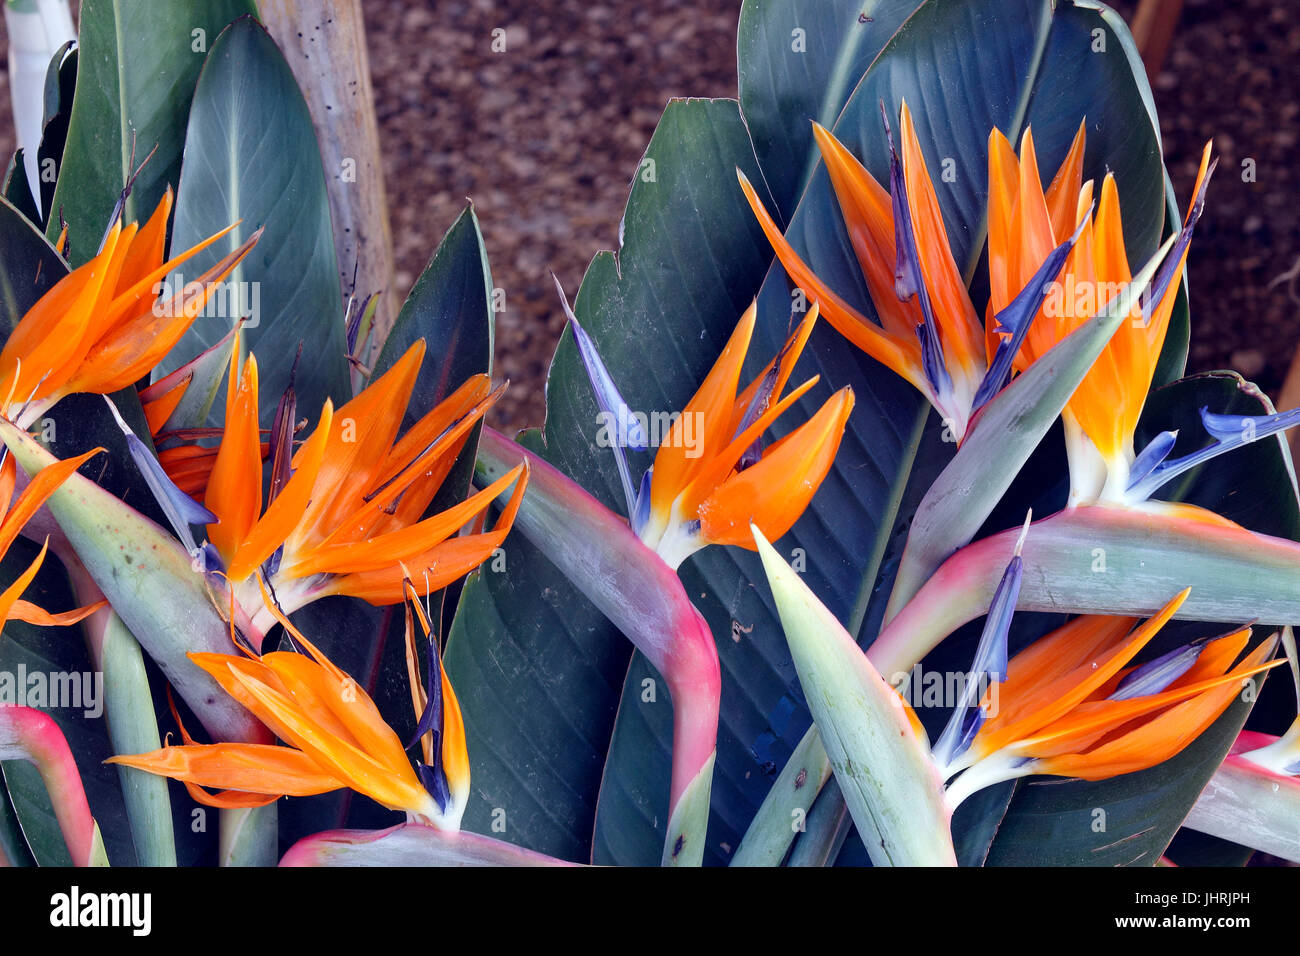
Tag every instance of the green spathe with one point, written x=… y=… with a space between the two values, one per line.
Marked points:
x=890 y=784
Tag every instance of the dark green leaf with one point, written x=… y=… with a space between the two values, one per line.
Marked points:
x=450 y=307
x=137 y=67
x=798 y=62
x=251 y=155
x=17 y=189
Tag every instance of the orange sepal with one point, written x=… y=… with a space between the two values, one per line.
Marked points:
x=709 y=413
x=33 y=614
x=1157 y=739
x=440 y=565
x=774 y=491
x=901 y=354
x=267 y=769
x=286 y=511
x=1033 y=707
x=234 y=491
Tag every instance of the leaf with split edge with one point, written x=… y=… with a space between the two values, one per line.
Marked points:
x=251 y=155
x=124 y=48
x=531 y=661
x=798 y=62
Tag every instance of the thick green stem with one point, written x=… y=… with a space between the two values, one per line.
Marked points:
x=132 y=723
x=249 y=837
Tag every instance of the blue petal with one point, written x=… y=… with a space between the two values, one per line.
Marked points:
x=431 y=719
x=974 y=721
x=435 y=782
x=1244 y=429
x=1154 y=676
x=990 y=659
x=181 y=510
x=1018 y=316
x=628 y=431
x=1229 y=432
x=1171 y=264
x=641 y=512
x=1157 y=450
x=908 y=280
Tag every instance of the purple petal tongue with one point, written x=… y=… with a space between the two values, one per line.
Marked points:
x=1019 y=315
x=1154 y=676
x=1228 y=431
x=990 y=660
x=628 y=431
x=1149 y=458
x=435 y=782
x=181 y=510
x=908 y=280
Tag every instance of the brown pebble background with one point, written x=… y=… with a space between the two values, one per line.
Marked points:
x=545 y=136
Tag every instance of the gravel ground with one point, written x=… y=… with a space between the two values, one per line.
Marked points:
x=544 y=138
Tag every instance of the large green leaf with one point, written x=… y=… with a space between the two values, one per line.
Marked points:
x=31 y=266
x=450 y=307
x=251 y=155
x=137 y=68
x=884 y=461
x=797 y=62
